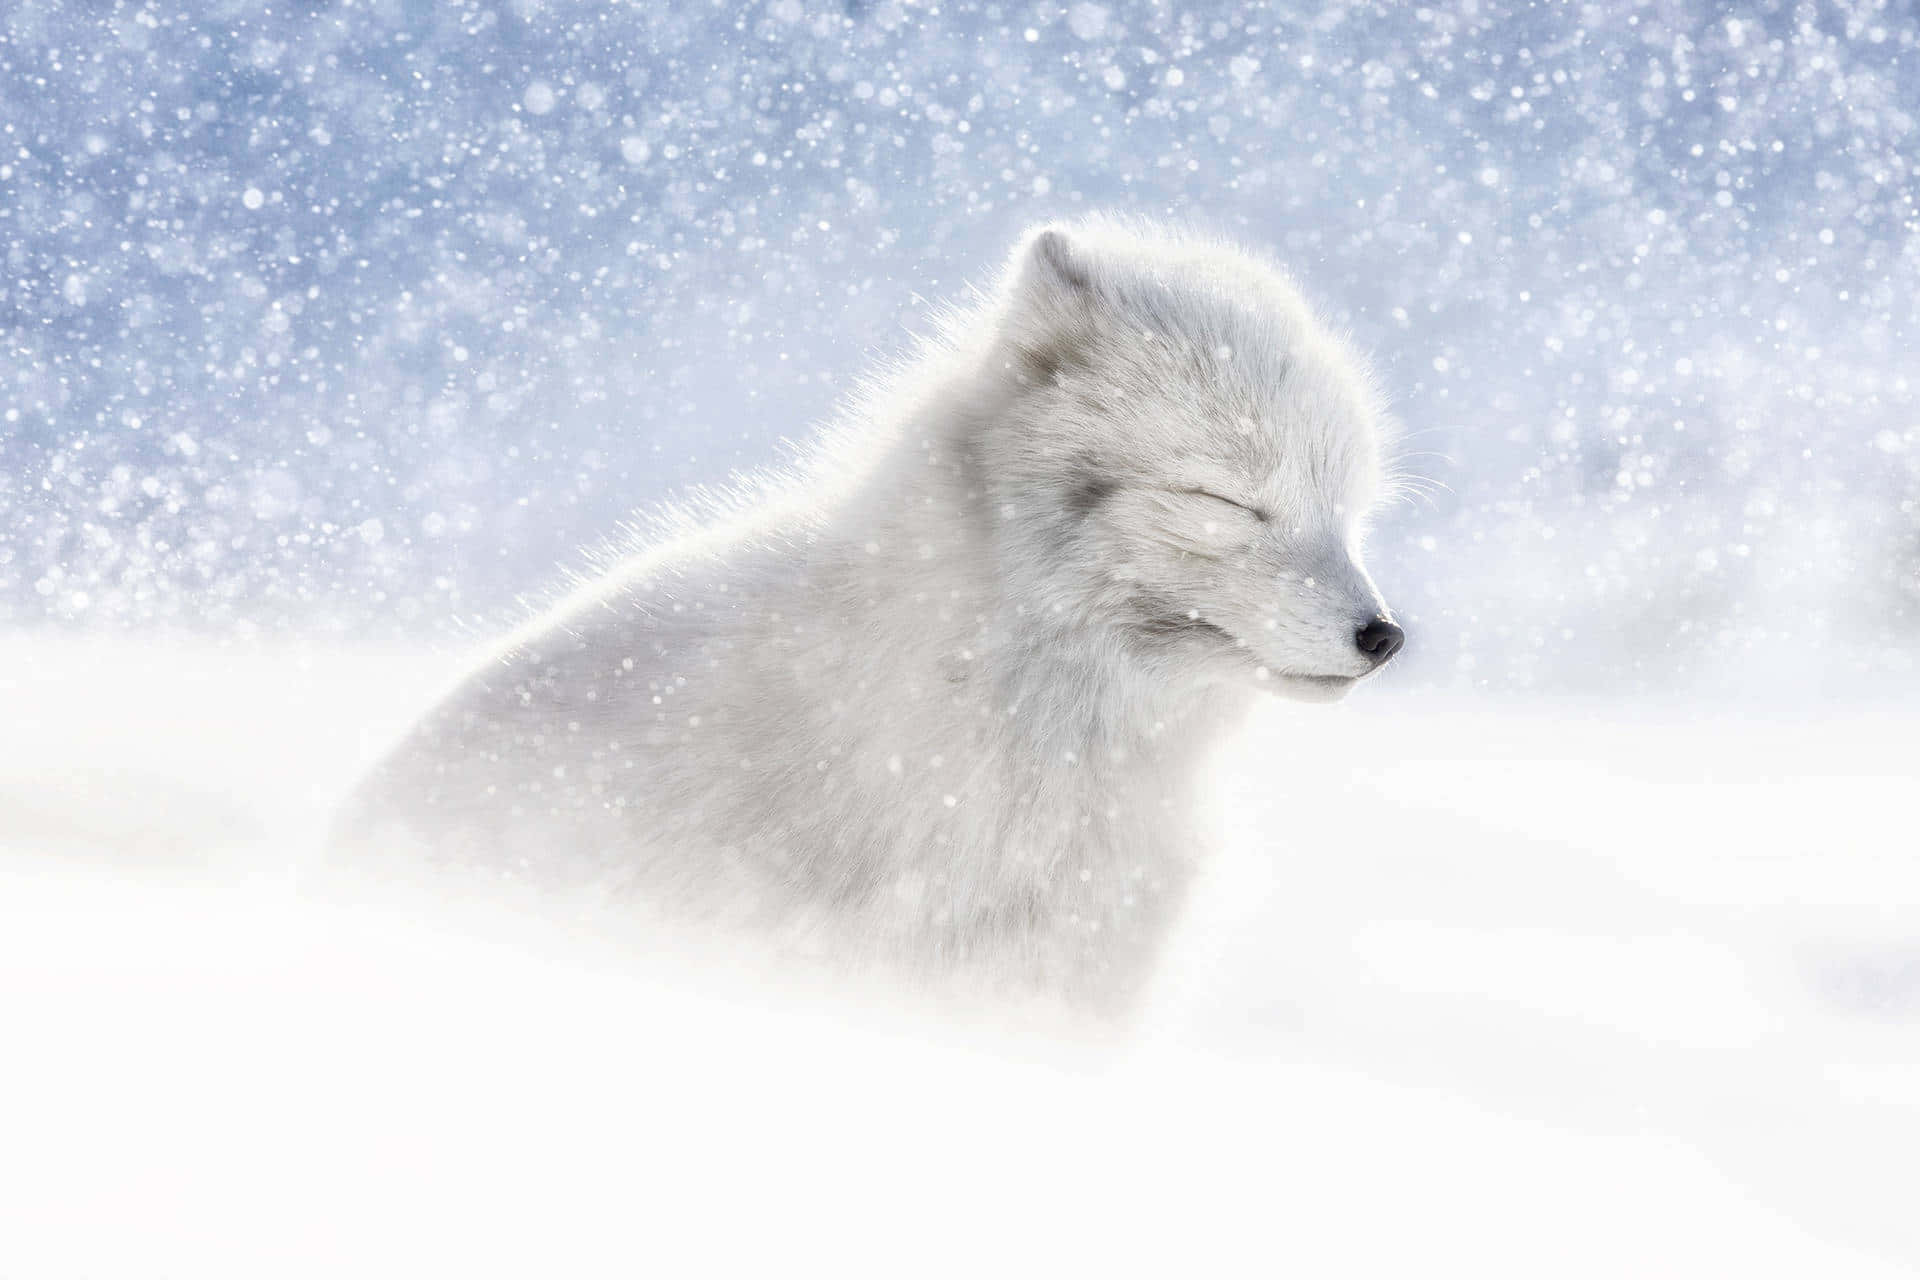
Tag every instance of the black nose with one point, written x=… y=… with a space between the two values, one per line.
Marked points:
x=1379 y=640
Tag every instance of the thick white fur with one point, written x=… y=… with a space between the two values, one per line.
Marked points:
x=939 y=696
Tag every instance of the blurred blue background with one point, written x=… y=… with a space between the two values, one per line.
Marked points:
x=359 y=318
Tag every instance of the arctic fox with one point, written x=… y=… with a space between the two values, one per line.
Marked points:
x=939 y=698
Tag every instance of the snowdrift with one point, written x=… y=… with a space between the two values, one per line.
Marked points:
x=1478 y=989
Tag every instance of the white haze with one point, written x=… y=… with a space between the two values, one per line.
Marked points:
x=1586 y=941
x=1479 y=989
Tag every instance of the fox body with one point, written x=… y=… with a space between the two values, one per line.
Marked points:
x=940 y=698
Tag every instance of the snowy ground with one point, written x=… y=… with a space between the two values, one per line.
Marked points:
x=1483 y=989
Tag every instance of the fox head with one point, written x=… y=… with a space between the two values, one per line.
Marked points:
x=1186 y=461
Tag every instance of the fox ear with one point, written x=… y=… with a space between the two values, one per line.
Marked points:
x=1052 y=266
x=1046 y=325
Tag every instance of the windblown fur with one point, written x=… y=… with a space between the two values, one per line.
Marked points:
x=940 y=697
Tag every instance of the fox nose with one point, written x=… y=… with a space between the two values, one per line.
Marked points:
x=1379 y=640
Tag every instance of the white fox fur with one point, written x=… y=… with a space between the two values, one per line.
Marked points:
x=939 y=697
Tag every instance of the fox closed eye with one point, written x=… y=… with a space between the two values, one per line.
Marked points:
x=1255 y=512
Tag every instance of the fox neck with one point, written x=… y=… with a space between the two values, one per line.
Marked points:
x=1077 y=697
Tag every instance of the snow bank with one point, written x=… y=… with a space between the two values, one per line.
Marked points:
x=1478 y=990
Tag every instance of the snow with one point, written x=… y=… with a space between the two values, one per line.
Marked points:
x=1483 y=987
x=1585 y=943
x=1641 y=282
